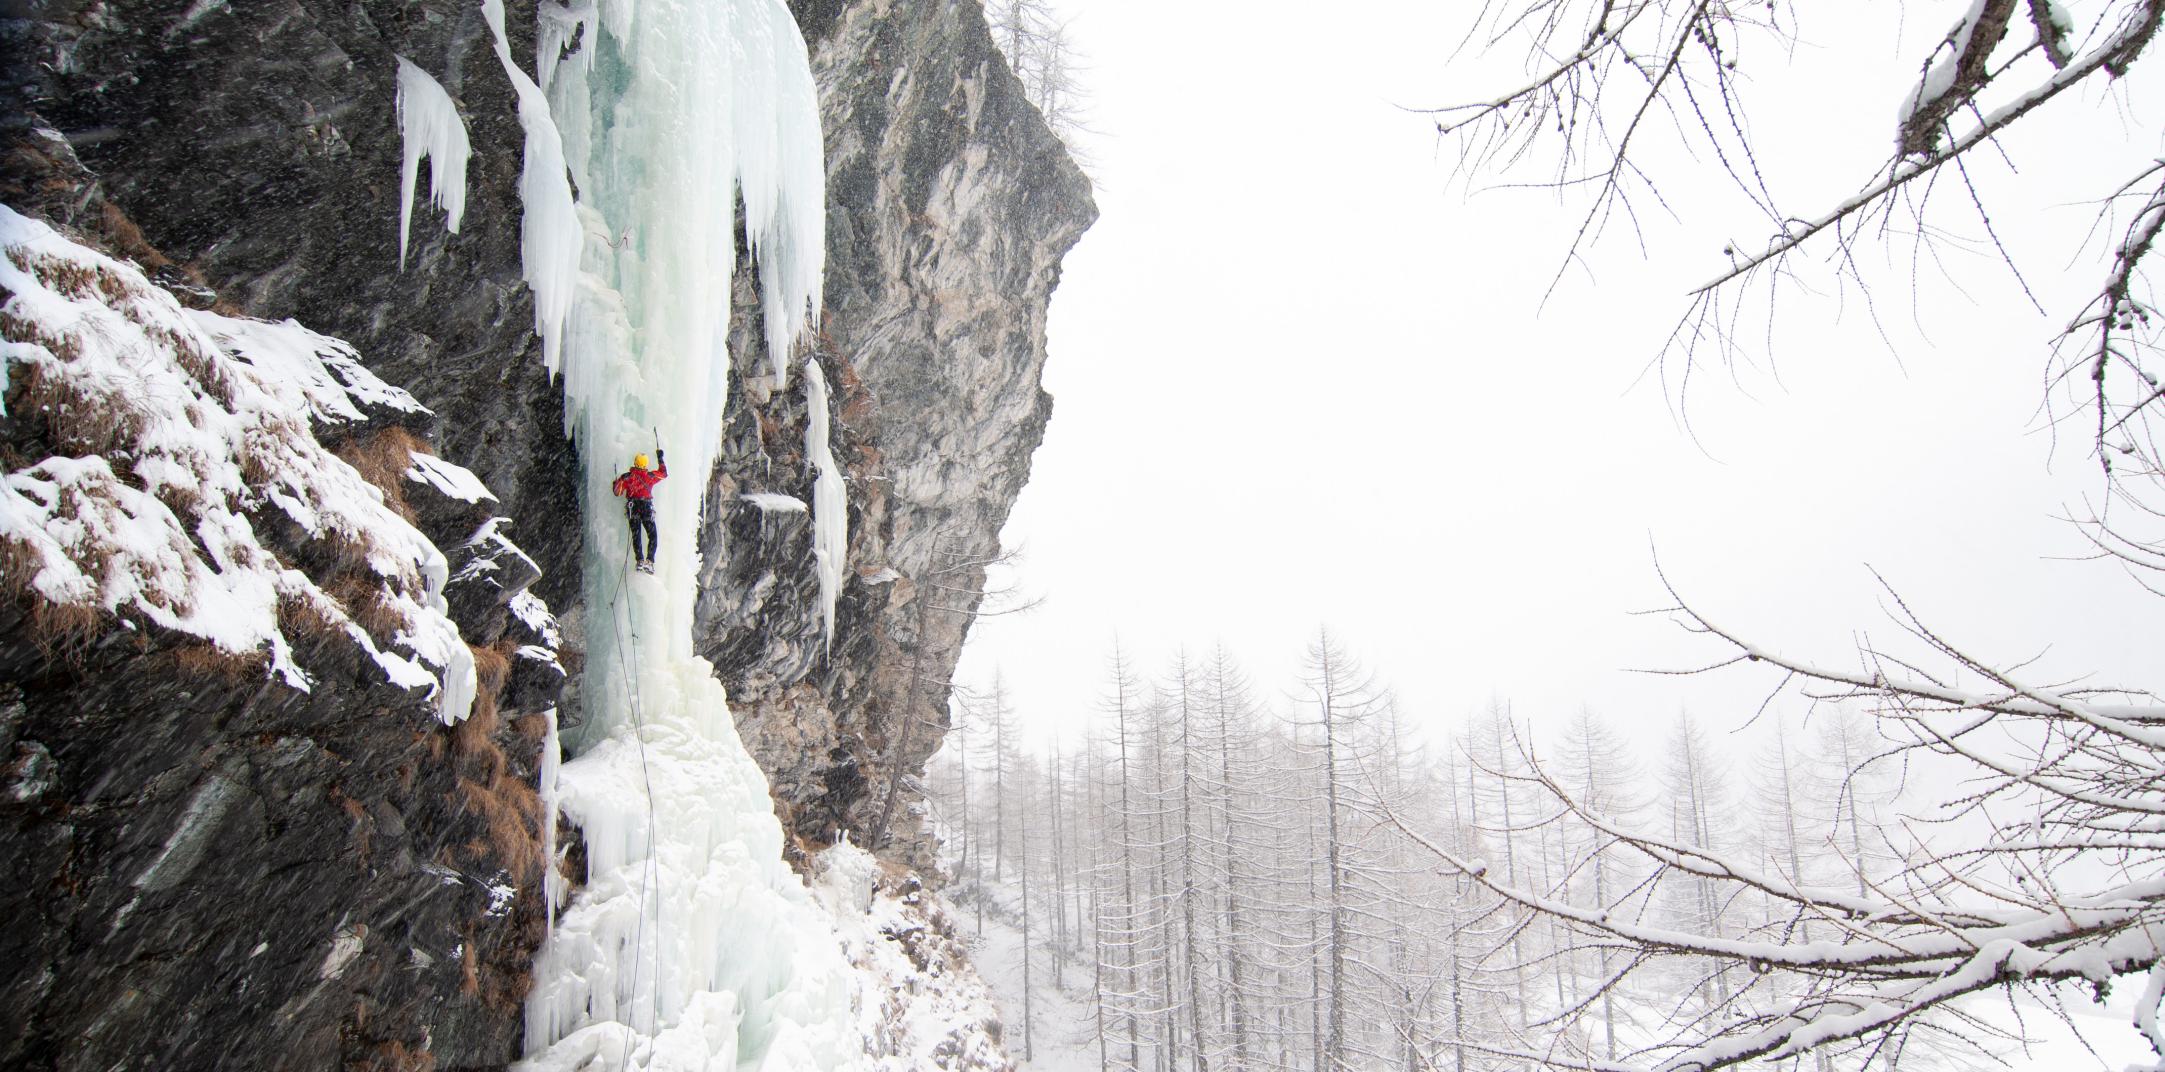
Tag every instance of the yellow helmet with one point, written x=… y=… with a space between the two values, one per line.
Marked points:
x=638 y=461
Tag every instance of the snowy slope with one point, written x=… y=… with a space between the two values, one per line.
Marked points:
x=181 y=433
x=920 y=1006
x=1062 y=1033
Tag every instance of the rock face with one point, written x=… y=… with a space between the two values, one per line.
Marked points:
x=211 y=865
x=248 y=155
x=951 y=205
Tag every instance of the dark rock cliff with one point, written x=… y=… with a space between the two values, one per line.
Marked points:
x=248 y=154
x=210 y=866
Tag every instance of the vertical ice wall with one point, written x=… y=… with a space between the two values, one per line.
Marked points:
x=692 y=945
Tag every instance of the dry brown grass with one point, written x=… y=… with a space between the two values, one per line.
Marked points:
x=510 y=811
x=365 y=602
x=302 y=615
x=204 y=660
x=257 y=455
x=469 y=965
x=509 y=808
x=364 y=828
x=63 y=631
x=186 y=502
x=75 y=420
x=573 y=660
x=473 y=740
x=394 y=1056
x=492 y=667
x=127 y=238
x=97 y=501
x=894 y=877
x=16 y=329
x=207 y=371
x=382 y=458
x=345 y=557
x=72 y=279
x=19 y=564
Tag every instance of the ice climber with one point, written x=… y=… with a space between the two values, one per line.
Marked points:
x=637 y=488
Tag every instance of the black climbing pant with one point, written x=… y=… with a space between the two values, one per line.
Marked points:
x=640 y=513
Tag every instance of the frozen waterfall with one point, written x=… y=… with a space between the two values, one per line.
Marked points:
x=692 y=946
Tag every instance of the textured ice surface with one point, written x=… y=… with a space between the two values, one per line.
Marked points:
x=692 y=946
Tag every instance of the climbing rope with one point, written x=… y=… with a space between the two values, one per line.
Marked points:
x=651 y=888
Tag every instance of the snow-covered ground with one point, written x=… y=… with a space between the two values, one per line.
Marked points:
x=920 y=1005
x=1062 y=1035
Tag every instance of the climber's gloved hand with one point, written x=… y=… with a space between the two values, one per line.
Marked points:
x=662 y=454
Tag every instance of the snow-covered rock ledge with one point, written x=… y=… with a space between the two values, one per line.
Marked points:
x=174 y=466
x=277 y=709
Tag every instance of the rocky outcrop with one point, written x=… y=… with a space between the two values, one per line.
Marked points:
x=952 y=205
x=247 y=155
x=224 y=851
x=253 y=148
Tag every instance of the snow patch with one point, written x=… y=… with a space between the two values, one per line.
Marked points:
x=455 y=481
x=345 y=946
x=534 y=615
x=775 y=504
x=1939 y=78
x=339 y=389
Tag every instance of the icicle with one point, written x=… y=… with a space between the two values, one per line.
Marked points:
x=781 y=169
x=563 y=26
x=550 y=234
x=435 y=637
x=429 y=127
x=830 y=501
x=552 y=879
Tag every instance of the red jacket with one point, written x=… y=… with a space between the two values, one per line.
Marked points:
x=639 y=483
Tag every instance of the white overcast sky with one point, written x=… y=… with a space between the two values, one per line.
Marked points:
x=1302 y=379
